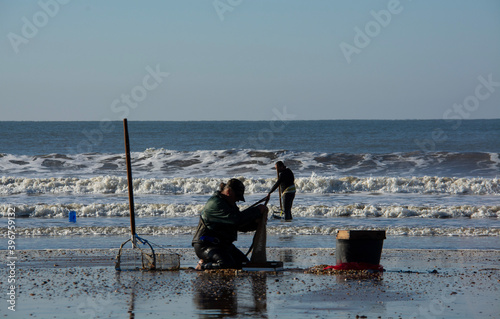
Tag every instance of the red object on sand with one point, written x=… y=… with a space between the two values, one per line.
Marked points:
x=355 y=266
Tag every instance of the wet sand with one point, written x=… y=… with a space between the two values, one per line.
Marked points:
x=83 y=283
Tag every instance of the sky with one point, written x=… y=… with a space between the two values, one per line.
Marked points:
x=63 y=60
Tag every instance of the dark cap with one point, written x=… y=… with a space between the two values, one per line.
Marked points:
x=238 y=188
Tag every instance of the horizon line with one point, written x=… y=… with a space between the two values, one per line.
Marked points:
x=317 y=120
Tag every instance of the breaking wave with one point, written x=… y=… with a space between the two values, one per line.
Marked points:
x=314 y=184
x=271 y=230
x=253 y=163
x=193 y=210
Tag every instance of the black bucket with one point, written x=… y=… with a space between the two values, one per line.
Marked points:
x=360 y=246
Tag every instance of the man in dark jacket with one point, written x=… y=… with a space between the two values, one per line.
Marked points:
x=286 y=180
x=220 y=221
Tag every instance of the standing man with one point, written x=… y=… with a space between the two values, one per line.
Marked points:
x=220 y=221
x=286 y=181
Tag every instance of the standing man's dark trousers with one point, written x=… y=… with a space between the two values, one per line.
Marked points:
x=287 y=199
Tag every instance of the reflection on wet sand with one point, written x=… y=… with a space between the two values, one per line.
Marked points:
x=131 y=301
x=286 y=255
x=220 y=295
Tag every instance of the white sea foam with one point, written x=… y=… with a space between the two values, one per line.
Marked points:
x=312 y=211
x=314 y=184
x=271 y=230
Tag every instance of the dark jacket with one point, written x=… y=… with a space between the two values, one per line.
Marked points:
x=220 y=221
x=286 y=179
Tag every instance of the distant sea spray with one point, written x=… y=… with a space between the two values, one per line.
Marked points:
x=253 y=163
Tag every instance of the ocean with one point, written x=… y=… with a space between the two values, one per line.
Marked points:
x=428 y=183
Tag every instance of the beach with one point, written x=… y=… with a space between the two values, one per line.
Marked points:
x=82 y=283
x=439 y=210
x=166 y=125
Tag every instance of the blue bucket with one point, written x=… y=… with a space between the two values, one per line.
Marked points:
x=72 y=216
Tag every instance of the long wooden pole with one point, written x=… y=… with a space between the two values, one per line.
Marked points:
x=130 y=183
x=279 y=191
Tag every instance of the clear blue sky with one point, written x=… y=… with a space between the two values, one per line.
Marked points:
x=248 y=59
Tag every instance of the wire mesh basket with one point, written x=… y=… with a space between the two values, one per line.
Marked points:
x=167 y=260
x=146 y=258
